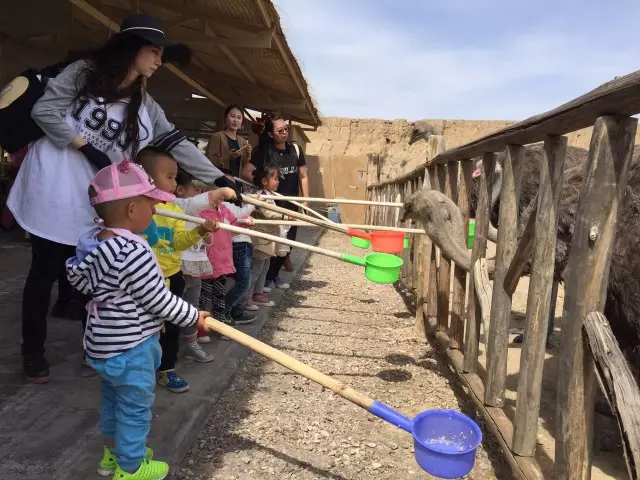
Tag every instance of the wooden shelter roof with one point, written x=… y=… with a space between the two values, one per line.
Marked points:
x=240 y=53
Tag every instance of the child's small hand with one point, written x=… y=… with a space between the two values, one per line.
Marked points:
x=201 y=324
x=208 y=226
x=249 y=221
x=216 y=197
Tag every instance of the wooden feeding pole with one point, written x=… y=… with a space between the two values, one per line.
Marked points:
x=539 y=300
x=472 y=331
x=586 y=282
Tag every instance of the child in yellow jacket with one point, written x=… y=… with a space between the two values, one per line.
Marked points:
x=168 y=238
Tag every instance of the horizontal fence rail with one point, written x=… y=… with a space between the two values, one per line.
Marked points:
x=458 y=302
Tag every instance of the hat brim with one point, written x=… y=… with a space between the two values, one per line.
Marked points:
x=160 y=195
x=173 y=52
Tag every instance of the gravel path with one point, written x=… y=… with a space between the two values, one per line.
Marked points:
x=273 y=424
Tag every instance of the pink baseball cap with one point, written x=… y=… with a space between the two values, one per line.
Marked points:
x=125 y=180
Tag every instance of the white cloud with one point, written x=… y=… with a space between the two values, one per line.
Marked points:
x=359 y=66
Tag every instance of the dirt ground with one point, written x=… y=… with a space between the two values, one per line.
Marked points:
x=275 y=424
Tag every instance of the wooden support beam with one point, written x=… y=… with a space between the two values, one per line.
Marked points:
x=207 y=36
x=230 y=55
x=296 y=75
x=444 y=269
x=459 y=295
x=189 y=9
x=472 y=331
x=539 y=299
x=498 y=339
x=522 y=255
x=619 y=386
x=106 y=21
x=586 y=279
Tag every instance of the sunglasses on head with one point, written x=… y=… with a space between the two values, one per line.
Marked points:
x=282 y=130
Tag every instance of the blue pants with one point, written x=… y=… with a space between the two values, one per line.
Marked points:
x=128 y=381
x=236 y=298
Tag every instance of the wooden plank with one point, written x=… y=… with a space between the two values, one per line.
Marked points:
x=432 y=297
x=414 y=246
x=522 y=255
x=472 y=330
x=586 y=280
x=539 y=299
x=444 y=269
x=619 y=384
x=498 y=341
x=459 y=291
x=617 y=97
x=523 y=468
x=425 y=246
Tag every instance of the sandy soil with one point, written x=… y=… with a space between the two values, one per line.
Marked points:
x=274 y=424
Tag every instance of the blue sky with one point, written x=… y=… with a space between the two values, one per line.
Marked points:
x=458 y=59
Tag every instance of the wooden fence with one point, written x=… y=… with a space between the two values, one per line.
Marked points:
x=428 y=275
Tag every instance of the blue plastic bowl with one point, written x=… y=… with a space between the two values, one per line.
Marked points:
x=445 y=442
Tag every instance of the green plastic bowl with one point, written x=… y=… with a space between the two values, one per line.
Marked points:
x=472 y=233
x=360 y=242
x=382 y=267
x=378 y=267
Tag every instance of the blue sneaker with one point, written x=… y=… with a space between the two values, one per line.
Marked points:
x=173 y=382
x=281 y=284
x=268 y=286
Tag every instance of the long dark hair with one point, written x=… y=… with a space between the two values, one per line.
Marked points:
x=265 y=141
x=107 y=67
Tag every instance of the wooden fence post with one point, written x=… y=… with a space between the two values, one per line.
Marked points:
x=444 y=269
x=458 y=312
x=539 y=300
x=425 y=246
x=472 y=331
x=498 y=336
x=586 y=280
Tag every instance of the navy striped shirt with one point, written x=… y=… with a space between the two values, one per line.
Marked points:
x=131 y=297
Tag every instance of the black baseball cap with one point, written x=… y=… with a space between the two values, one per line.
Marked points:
x=148 y=28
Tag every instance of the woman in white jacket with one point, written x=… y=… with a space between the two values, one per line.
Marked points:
x=95 y=112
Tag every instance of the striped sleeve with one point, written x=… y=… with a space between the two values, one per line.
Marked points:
x=139 y=277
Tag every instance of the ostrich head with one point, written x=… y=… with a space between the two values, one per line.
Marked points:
x=421 y=131
x=415 y=207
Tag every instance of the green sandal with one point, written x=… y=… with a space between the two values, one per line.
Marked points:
x=108 y=463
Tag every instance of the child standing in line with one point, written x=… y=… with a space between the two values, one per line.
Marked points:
x=266 y=179
x=242 y=250
x=129 y=304
x=168 y=237
x=195 y=262
x=220 y=254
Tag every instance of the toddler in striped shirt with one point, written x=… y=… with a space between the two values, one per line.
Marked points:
x=130 y=303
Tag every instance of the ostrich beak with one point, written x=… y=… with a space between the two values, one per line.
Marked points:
x=406 y=211
x=415 y=136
